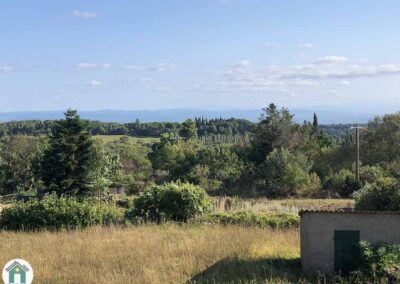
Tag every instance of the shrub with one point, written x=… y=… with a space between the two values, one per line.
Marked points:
x=55 y=213
x=383 y=195
x=342 y=183
x=170 y=202
x=370 y=174
x=312 y=188
x=125 y=202
x=245 y=218
x=379 y=260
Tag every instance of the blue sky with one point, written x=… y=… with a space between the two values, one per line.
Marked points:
x=205 y=54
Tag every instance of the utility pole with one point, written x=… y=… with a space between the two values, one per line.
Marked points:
x=358 y=153
x=357 y=128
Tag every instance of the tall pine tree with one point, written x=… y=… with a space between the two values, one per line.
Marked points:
x=67 y=161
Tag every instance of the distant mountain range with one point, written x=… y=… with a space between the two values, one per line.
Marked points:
x=178 y=115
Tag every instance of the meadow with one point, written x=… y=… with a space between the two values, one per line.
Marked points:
x=197 y=252
x=110 y=138
x=158 y=254
x=292 y=206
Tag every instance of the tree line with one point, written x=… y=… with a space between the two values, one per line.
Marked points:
x=205 y=127
x=210 y=130
x=280 y=158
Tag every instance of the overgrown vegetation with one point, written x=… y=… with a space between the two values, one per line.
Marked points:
x=249 y=219
x=56 y=213
x=378 y=261
x=383 y=195
x=278 y=158
x=169 y=202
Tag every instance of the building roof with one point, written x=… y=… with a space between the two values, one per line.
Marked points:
x=346 y=211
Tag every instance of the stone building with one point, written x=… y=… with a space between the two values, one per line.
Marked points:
x=329 y=238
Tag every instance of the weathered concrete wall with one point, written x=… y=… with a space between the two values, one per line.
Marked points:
x=317 y=234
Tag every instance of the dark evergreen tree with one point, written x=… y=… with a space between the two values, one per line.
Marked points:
x=66 y=166
x=274 y=130
x=315 y=120
x=189 y=130
x=315 y=123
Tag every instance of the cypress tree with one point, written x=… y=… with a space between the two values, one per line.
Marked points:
x=315 y=123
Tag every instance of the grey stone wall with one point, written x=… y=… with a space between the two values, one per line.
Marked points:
x=317 y=234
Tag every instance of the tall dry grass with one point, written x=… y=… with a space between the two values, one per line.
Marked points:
x=157 y=254
x=277 y=205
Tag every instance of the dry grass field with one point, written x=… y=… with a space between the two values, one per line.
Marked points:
x=277 y=205
x=158 y=254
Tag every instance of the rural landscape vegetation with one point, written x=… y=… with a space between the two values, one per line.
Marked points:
x=191 y=142
x=201 y=201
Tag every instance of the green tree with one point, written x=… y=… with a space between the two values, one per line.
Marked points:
x=381 y=140
x=274 y=130
x=167 y=153
x=68 y=161
x=135 y=167
x=315 y=122
x=285 y=173
x=18 y=157
x=189 y=130
x=104 y=167
x=216 y=166
x=174 y=156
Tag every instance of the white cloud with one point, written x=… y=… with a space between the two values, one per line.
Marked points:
x=306 y=45
x=95 y=83
x=312 y=71
x=286 y=79
x=344 y=83
x=241 y=64
x=93 y=66
x=81 y=14
x=247 y=80
x=162 y=67
x=272 y=45
x=305 y=83
x=331 y=59
x=132 y=67
x=5 y=69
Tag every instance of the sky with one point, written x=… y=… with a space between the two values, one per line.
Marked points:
x=203 y=54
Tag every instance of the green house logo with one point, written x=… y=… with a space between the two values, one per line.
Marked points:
x=17 y=271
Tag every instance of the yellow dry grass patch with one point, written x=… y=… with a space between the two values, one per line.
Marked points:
x=148 y=254
x=277 y=205
x=281 y=244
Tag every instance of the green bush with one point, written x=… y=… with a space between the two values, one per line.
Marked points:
x=125 y=202
x=383 y=195
x=245 y=218
x=312 y=188
x=370 y=174
x=170 y=202
x=53 y=213
x=379 y=260
x=342 y=183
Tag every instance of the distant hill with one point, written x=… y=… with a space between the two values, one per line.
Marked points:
x=179 y=115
